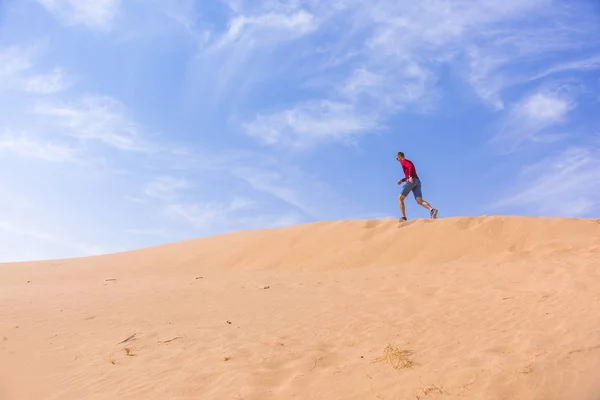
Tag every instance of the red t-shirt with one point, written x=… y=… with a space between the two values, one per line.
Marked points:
x=409 y=168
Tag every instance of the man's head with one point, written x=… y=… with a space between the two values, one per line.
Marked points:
x=400 y=156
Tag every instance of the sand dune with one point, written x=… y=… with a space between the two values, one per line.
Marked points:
x=457 y=308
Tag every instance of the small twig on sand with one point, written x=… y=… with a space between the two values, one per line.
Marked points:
x=128 y=339
x=170 y=340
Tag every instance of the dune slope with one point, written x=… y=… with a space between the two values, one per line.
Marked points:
x=457 y=308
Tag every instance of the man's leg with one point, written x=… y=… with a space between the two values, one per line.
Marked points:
x=406 y=189
x=419 y=198
x=432 y=211
x=401 y=204
x=423 y=203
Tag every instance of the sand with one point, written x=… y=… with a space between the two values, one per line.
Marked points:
x=457 y=308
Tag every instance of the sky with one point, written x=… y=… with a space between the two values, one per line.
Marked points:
x=130 y=123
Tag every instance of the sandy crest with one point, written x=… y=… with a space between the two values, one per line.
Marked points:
x=488 y=308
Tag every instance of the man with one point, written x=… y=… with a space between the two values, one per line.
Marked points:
x=412 y=183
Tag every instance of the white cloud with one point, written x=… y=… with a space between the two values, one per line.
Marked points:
x=18 y=71
x=388 y=55
x=363 y=81
x=16 y=59
x=241 y=203
x=484 y=77
x=229 y=59
x=306 y=194
x=51 y=82
x=272 y=27
x=166 y=187
x=364 y=100
x=388 y=90
x=98 y=118
x=285 y=186
x=93 y=14
x=311 y=123
x=183 y=12
x=136 y=200
x=276 y=184
x=566 y=184
x=529 y=118
x=440 y=32
x=207 y=215
x=509 y=61
x=584 y=64
x=235 y=5
x=33 y=147
x=544 y=108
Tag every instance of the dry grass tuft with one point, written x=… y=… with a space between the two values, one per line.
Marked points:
x=425 y=391
x=396 y=357
x=128 y=352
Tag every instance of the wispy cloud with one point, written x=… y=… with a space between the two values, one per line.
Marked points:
x=224 y=211
x=307 y=195
x=166 y=187
x=18 y=71
x=34 y=147
x=183 y=12
x=256 y=179
x=266 y=28
x=228 y=216
x=51 y=82
x=232 y=58
x=15 y=59
x=359 y=107
x=584 y=64
x=136 y=200
x=566 y=184
x=389 y=58
x=311 y=123
x=98 y=118
x=532 y=116
x=206 y=215
x=93 y=14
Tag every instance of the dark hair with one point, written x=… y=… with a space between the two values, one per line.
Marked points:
x=400 y=154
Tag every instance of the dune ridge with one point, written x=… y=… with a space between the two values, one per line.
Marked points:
x=479 y=307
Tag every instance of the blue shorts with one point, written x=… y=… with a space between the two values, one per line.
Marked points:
x=414 y=187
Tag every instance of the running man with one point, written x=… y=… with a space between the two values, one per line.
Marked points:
x=412 y=183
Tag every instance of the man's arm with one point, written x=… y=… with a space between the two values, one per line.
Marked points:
x=411 y=170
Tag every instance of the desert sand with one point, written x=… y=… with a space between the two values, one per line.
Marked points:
x=458 y=308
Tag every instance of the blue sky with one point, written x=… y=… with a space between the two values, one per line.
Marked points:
x=129 y=123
